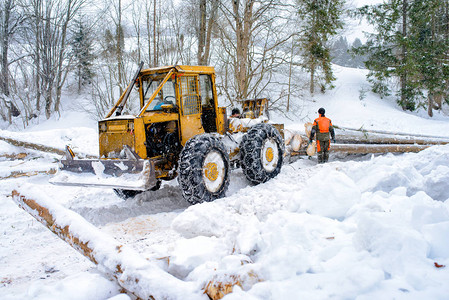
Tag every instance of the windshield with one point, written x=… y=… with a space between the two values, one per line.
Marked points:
x=165 y=96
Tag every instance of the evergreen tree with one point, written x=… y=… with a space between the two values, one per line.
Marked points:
x=430 y=48
x=357 y=61
x=411 y=45
x=114 y=43
x=321 y=20
x=388 y=50
x=82 y=52
x=339 y=53
x=343 y=55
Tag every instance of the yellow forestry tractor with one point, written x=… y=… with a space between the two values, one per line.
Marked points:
x=177 y=130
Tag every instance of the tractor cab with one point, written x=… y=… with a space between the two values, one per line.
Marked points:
x=176 y=103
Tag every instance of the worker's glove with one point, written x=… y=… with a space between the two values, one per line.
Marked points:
x=310 y=142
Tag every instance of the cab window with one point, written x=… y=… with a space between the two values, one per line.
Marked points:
x=207 y=96
x=165 y=96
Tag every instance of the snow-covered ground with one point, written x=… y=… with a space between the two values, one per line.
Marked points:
x=372 y=227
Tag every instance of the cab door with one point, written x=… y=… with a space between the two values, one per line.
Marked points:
x=190 y=117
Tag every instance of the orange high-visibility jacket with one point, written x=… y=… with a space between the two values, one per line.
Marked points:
x=322 y=126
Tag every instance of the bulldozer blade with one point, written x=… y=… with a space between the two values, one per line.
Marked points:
x=117 y=173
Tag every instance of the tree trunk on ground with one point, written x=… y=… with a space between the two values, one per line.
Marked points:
x=139 y=277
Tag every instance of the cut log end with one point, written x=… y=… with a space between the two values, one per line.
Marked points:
x=217 y=289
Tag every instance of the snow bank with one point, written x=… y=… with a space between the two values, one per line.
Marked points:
x=329 y=194
x=371 y=229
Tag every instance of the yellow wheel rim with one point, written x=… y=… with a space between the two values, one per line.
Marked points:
x=269 y=154
x=211 y=171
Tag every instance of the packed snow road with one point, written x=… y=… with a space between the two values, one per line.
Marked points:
x=373 y=228
x=31 y=254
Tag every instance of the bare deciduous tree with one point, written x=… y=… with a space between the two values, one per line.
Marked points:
x=49 y=22
x=204 y=15
x=252 y=34
x=10 y=20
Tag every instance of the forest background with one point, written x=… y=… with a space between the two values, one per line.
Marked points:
x=259 y=48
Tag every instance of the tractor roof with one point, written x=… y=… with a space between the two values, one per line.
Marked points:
x=180 y=69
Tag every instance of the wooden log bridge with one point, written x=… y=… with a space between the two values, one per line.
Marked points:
x=134 y=273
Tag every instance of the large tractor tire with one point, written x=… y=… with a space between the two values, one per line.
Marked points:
x=261 y=153
x=203 y=169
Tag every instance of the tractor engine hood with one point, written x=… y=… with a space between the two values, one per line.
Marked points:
x=114 y=133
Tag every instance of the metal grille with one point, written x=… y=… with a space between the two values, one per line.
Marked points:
x=190 y=100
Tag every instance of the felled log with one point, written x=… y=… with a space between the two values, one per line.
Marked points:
x=135 y=274
x=14 y=156
x=34 y=146
x=395 y=133
x=217 y=289
x=375 y=148
x=17 y=174
x=352 y=136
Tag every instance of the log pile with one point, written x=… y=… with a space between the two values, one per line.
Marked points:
x=359 y=136
x=358 y=141
x=376 y=148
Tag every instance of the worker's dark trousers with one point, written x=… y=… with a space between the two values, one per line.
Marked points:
x=323 y=151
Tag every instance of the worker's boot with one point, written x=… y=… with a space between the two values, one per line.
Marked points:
x=325 y=157
x=320 y=158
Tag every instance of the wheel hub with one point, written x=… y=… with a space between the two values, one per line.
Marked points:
x=270 y=155
x=211 y=171
x=214 y=171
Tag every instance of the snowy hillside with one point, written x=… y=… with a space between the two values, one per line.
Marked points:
x=365 y=227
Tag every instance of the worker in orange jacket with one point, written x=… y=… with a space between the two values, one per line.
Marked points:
x=322 y=126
